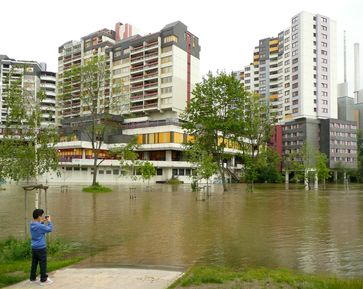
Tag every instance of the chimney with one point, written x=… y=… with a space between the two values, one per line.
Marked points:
x=356 y=69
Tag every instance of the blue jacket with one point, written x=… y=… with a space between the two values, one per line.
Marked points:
x=38 y=231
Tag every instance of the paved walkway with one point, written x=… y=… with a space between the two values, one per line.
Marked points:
x=110 y=278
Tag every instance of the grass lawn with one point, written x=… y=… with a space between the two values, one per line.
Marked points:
x=15 y=258
x=226 y=278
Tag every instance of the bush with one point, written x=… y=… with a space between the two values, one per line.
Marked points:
x=174 y=181
x=97 y=188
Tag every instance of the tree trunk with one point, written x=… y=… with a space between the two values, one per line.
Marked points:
x=94 y=181
x=221 y=171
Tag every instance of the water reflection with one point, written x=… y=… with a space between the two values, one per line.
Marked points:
x=314 y=231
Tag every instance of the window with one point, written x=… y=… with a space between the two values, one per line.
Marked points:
x=325 y=36
x=287 y=62
x=84 y=169
x=287 y=92
x=116 y=172
x=295 y=85
x=324 y=19
x=287 y=108
x=324 y=60
x=101 y=172
x=325 y=110
x=108 y=172
x=167 y=79
x=187 y=172
x=324 y=28
x=294 y=53
x=295 y=60
x=294 y=44
x=295 y=68
x=287 y=70
x=166 y=69
x=117 y=53
x=324 y=85
x=324 y=101
x=324 y=68
x=295 y=102
x=159 y=172
x=166 y=90
x=324 y=52
x=324 y=44
x=324 y=93
x=287 y=77
x=295 y=93
x=324 y=77
x=68 y=168
x=287 y=54
x=295 y=110
x=295 y=76
x=287 y=100
x=294 y=28
x=166 y=49
x=294 y=36
x=181 y=172
x=166 y=59
x=171 y=38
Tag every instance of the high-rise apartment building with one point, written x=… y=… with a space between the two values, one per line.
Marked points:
x=296 y=71
x=34 y=77
x=157 y=71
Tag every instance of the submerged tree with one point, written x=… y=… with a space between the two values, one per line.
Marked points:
x=147 y=171
x=210 y=117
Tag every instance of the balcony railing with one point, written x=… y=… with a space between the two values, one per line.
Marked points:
x=150 y=105
x=136 y=107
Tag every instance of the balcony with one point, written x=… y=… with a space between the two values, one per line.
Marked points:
x=136 y=49
x=136 y=107
x=136 y=87
x=136 y=97
x=136 y=78
x=151 y=55
x=137 y=68
x=137 y=59
x=150 y=85
x=151 y=65
x=152 y=105
x=151 y=95
x=150 y=75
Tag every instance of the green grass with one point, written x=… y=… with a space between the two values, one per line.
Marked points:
x=15 y=258
x=280 y=278
x=97 y=188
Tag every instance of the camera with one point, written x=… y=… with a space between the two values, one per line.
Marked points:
x=46 y=217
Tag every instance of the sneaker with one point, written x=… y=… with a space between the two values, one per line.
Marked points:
x=47 y=282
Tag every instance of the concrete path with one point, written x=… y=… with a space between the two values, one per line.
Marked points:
x=110 y=278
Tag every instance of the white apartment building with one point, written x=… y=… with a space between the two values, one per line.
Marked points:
x=297 y=70
x=34 y=77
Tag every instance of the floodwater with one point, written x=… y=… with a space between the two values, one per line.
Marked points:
x=314 y=231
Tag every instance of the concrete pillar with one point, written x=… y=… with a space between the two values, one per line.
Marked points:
x=335 y=176
x=345 y=177
x=316 y=181
x=286 y=177
x=168 y=157
x=146 y=156
x=83 y=154
x=233 y=162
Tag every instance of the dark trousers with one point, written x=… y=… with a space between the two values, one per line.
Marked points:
x=39 y=256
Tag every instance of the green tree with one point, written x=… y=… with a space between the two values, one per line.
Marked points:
x=99 y=99
x=322 y=168
x=268 y=167
x=27 y=149
x=204 y=165
x=210 y=118
x=147 y=171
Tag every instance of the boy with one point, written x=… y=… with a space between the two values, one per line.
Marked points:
x=39 y=247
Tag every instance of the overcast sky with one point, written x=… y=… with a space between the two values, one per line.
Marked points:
x=227 y=30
